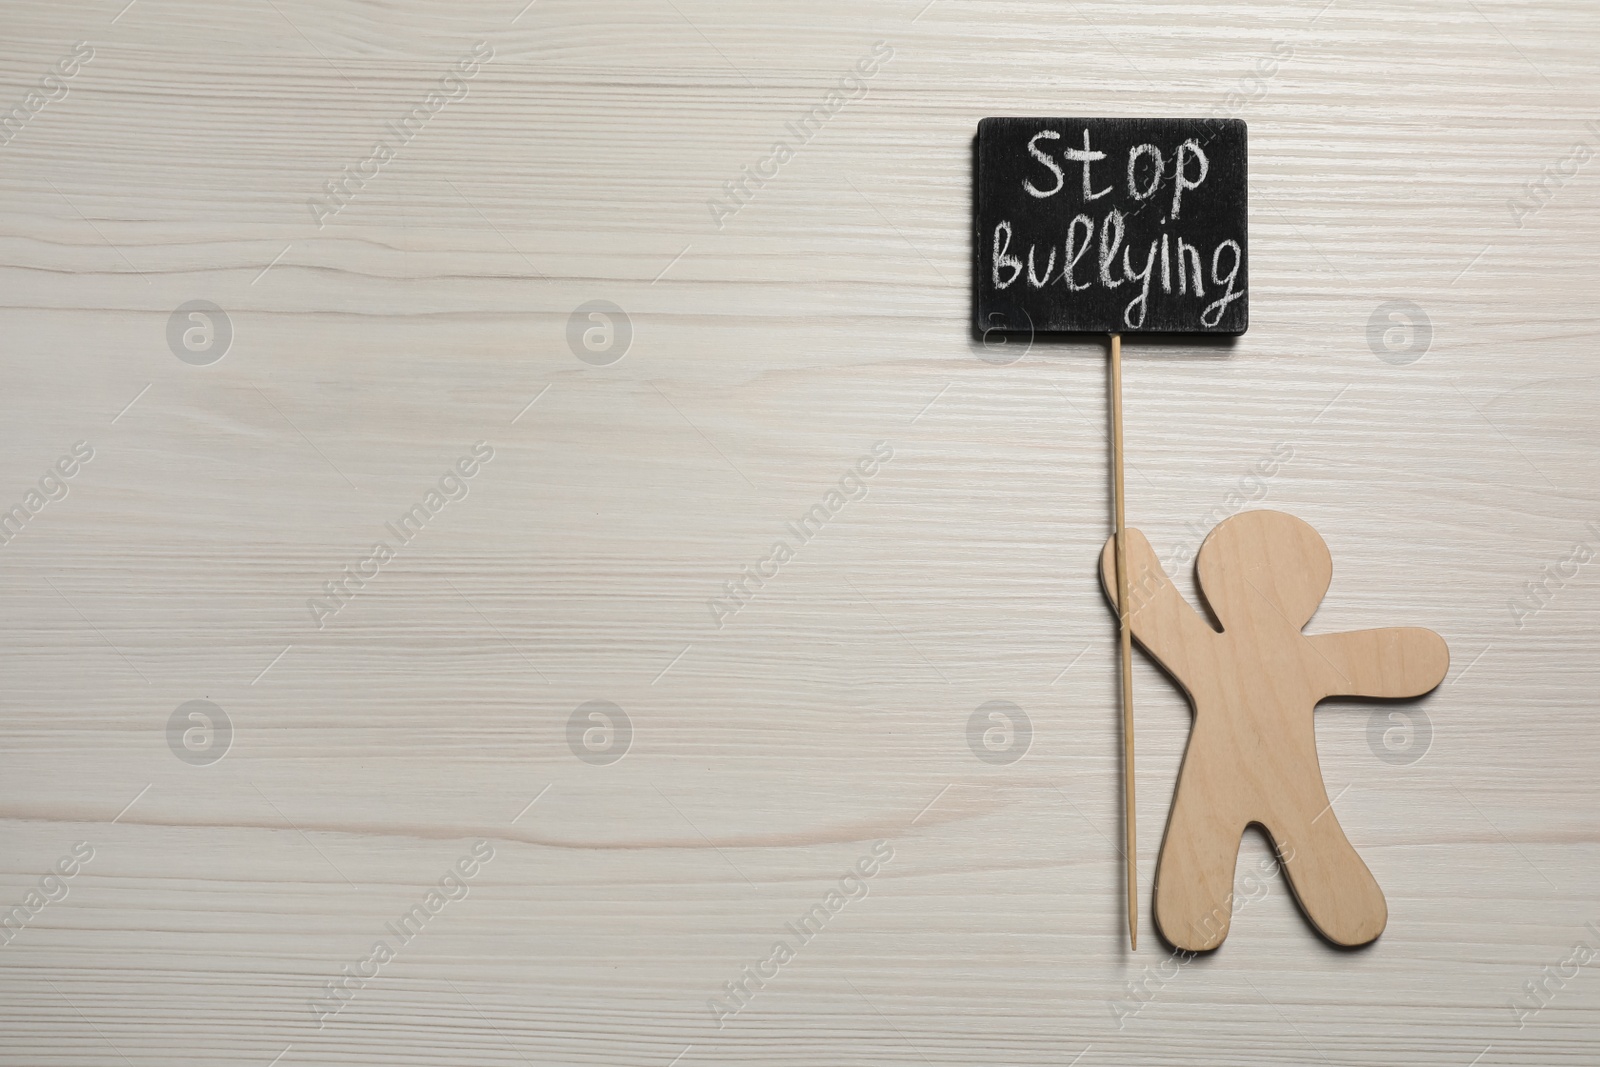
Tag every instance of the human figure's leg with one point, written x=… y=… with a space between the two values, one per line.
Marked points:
x=1334 y=887
x=1194 y=877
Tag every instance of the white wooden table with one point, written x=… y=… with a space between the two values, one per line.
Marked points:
x=374 y=345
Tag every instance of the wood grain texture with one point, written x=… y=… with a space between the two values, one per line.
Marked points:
x=836 y=707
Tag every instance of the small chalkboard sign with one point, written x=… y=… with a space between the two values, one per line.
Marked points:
x=1111 y=226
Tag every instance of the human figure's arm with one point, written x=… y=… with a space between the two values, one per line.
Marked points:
x=1163 y=622
x=1396 y=661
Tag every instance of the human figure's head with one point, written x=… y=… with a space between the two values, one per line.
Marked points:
x=1285 y=572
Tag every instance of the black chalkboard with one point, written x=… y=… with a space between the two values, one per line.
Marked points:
x=1111 y=226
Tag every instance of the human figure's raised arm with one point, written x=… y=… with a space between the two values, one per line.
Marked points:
x=1396 y=661
x=1164 y=623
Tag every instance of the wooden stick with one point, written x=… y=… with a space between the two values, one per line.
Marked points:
x=1125 y=639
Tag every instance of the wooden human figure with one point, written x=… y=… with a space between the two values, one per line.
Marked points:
x=1252 y=755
